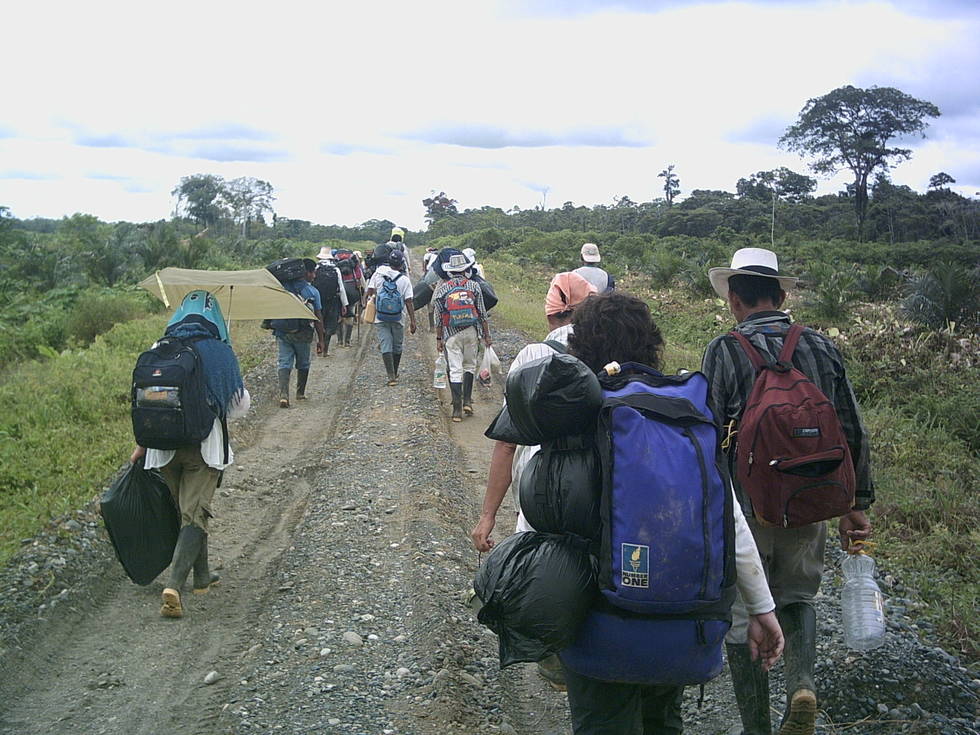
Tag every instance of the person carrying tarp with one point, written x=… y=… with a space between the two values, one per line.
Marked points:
x=196 y=336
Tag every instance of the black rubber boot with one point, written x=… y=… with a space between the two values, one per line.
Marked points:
x=457 y=390
x=468 y=394
x=389 y=366
x=302 y=376
x=348 y=328
x=751 y=685
x=185 y=553
x=203 y=576
x=799 y=624
x=397 y=358
x=326 y=344
x=284 y=387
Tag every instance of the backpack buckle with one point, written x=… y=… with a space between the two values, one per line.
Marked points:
x=781 y=367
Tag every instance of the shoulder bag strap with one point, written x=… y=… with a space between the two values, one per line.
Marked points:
x=751 y=351
x=789 y=344
x=556 y=346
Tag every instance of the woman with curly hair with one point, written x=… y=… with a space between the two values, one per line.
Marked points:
x=615 y=327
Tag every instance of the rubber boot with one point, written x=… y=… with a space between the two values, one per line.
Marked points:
x=799 y=624
x=397 y=358
x=457 y=391
x=326 y=344
x=301 y=377
x=284 y=387
x=185 y=553
x=751 y=685
x=203 y=576
x=467 y=394
x=348 y=328
x=389 y=366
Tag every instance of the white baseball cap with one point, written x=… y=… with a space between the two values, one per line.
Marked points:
x=590 y=253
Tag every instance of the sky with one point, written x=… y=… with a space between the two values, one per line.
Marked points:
x=357 y=111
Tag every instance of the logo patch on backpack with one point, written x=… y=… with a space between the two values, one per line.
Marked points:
x=806 y=432
x=636 y=565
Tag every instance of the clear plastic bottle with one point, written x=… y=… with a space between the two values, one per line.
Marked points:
x=861 y=601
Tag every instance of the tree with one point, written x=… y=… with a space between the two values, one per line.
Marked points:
x=438 y=206
x=672 y=184
x=203 y=194
x=941 y=181
x=774 y=185
x=850 y=128
x=248 y=198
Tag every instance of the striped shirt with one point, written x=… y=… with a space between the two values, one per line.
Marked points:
x=438 y=298
x=731 y=376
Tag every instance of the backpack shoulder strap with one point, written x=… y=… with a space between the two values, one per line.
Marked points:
x=789 y=343
x=750 y=350
x=556 y=346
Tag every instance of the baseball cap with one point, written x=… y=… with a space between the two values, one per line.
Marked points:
x=590 y=253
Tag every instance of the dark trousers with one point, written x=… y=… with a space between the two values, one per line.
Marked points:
x=609 y=708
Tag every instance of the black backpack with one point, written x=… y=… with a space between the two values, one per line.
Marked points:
x=287 y=269
x=169 y=397
x=293 y=325
x=326 y=281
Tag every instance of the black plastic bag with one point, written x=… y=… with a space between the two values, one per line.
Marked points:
x=142 y=521
x=489 y=295
x=560 y=488
x=536 y=588
x=548 y=398
x=423 y=290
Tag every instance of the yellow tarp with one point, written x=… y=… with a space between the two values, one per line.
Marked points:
x=252 y=294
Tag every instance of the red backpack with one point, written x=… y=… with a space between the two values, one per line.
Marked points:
x=792 y=456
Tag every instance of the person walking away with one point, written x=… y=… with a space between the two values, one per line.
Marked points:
x=590 y=270
x=294 y=336
x=397 y=242
x=461 y=319
x=507 y=461
x=477 y=268
x=430 y=257
x=392 y=291
x=333 y=296
x=793 y=557
x=618 y=328
x=192 y=473
x=353 y=277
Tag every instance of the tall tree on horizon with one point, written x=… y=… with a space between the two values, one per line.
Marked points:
x=672 y=184
x=850 y=128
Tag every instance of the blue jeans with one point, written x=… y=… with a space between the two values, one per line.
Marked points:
x=290 y=351
x=390 y=336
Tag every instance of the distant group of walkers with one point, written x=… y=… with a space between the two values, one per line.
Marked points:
x=596 y=400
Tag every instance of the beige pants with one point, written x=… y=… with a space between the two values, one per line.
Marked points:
x=192 y=483
x=793 y=560
x=462 y=351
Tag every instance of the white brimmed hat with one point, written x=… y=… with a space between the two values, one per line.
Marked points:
x=749 y=262
x=458 y=263
x=590 y=253
x=324 y=253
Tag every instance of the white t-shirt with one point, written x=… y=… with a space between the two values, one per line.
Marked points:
x=404 y=285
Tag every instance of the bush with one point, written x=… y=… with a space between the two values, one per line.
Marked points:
x=97 y=313
x=945 y=294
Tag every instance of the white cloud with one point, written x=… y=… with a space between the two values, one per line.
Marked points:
x=337 y=104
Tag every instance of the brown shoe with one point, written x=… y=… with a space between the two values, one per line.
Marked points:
x=802 y=714
x=171 y=607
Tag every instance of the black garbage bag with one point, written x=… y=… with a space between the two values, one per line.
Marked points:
x=561 y=486
x=489 y=295
x=142 y=521
x=536 y=588
x=422 y=291
x=548 y=398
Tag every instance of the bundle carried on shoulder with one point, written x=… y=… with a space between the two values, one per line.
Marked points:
x=548 y=398
x=536 y=589
x=666 y=551
x=287 y=269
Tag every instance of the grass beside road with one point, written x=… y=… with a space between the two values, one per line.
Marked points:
x=927 y=517
x=66 y=426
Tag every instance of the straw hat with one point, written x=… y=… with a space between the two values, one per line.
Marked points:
x=458 y=263
x=749 y=262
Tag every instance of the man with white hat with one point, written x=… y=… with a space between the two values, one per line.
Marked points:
x=461 y=318
x=592 y=272
x=793 y=557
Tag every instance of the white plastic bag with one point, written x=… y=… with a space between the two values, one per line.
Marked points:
x=439 y=374
x=490 y=363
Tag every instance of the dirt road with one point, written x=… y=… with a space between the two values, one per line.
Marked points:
x=342 y=541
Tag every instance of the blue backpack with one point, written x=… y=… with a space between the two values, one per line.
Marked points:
x=389 y=304
x=666 y=554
